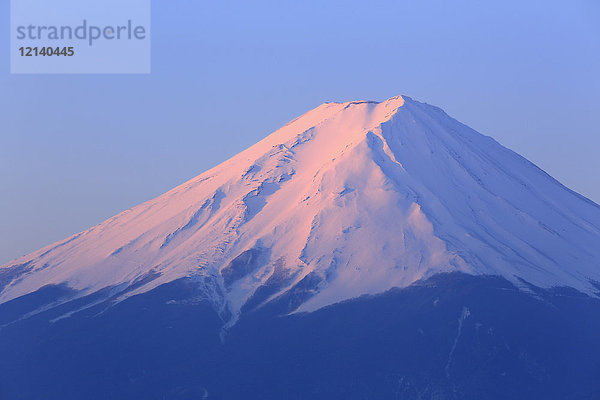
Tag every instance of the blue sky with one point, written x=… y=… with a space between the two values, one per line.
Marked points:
x=77 y=149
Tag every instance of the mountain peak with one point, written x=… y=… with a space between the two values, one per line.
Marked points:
x=348 y=199
x=396 y=101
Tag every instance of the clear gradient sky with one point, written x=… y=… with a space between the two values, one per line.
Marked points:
x=75 y=150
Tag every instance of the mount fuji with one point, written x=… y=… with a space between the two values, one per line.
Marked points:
x=364 y=250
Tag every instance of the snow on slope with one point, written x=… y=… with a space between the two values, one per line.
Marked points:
x=353 y=198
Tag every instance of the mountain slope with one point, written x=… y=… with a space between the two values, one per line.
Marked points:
x=348 y=199
x=452 y=337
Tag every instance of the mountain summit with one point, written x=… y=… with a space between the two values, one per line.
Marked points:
x=349 y=199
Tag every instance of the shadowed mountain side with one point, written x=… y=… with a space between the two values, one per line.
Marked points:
x=453 y=336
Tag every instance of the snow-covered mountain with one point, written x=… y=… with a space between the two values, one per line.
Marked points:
x=348 y=199
x=483 y=273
